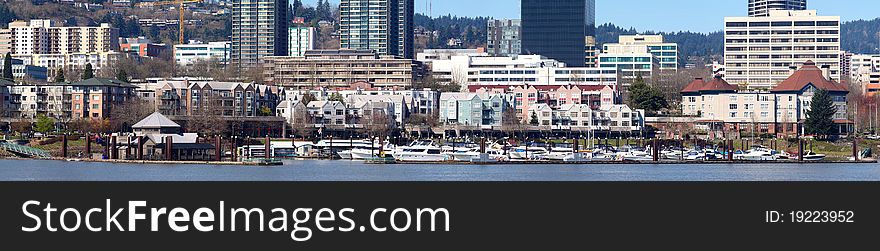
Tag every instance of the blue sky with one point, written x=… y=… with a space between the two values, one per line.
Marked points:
x=657 y=15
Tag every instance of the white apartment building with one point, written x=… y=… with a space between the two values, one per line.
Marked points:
x=864 y=68
x=302 y=39
x=477 y=72
x=666 y=53
x=41 y=43
x=760 y=51
x=428 y=56
x=581 y=117
x=188 y=54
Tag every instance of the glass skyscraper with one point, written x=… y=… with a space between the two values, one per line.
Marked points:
x=384 y=26
x=558 y=29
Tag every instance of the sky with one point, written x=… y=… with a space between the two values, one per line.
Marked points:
x=656 y=15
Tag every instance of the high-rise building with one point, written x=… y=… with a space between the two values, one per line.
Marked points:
x=302 y=39
x=384 y=26
x=760 y=52
x=762 y=8
x=43 y=43
x=505 y=37
x=556 y=29
x=259 y=29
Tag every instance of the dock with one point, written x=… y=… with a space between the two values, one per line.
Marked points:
x=670 y=162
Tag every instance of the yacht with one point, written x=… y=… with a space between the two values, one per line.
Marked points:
x=756 y=154
x=560 y=153
x=420 y=151
x=362 y=153
x=528 y=153
x=472 y=154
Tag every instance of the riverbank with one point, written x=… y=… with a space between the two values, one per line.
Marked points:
x=143 y=162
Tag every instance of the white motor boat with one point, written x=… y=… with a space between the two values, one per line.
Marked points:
x=813 y=156
x=421 y=153
x=528 y=153
x=462 y=154
x=757 y=154
x=345 y=154
x=560 y=153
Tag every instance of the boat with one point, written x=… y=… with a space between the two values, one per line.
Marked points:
x=420 y=154
x=362 y=153
x=346 y=154
x=528 y=153
x=560 y=153
x=420 y=151
x=813 y=156
x=757 y=154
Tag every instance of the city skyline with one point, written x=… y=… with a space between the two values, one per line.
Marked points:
x=705 y=18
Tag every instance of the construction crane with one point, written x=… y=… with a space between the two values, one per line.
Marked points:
x=180 y=6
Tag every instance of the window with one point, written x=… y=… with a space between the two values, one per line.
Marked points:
x=95 y=106
x=96 y=97
x=733 y=115
x=765 y=106
x=734 y=107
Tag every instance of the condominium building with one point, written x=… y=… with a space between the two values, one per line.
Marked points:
x=762 y=8
x=340 y=69
x=188 y=54
x=88 y=99
x=505 y=37
x=259 y=30
x=5 y=41
x=666 y=53
x=383 y=26
x=760 y=52
x=26 y=72
x=227 y=99
x=525 y=98
x=774 y=111
x=42 y=43
x=476 y=72
x=556 y=29
x=579 y=117
x=302 y=39
x=865 y=71
x=473 y=109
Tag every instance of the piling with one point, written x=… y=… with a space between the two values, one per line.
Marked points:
x=114 y=151
x=855 y=149
x=482 y=145
x=235 y=148
x=268 y=147
x=88 y=146
x=730 y=150
x=64 y=146
x=140 y=147
x=800 y=149
x=169 y=148
x=218 y=148
x=656 y=150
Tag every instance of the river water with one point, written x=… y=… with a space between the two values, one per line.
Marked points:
x=344 y=170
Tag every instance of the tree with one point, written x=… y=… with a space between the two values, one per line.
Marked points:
x=7 y=66
x=265 y=111
x=534 y=120
x=644 y=96
x=88 y=72
x=44 y=124
x=308 y=98
x=130 y=112
x=820 y=117
x=336 y=97
x=21 y=126
x=59 y=76
x=122 y=75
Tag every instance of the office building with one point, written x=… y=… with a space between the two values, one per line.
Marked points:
x=141 y=46
x=384 y=26
x=341 y=69
x=762 y=51
x=666 y=53
x=259 y=30
x=762 y=8
x=188 y=54
x=302 y=39
x=505 y=37
x=557 y=29
x=474 y=72
x=428 y=56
